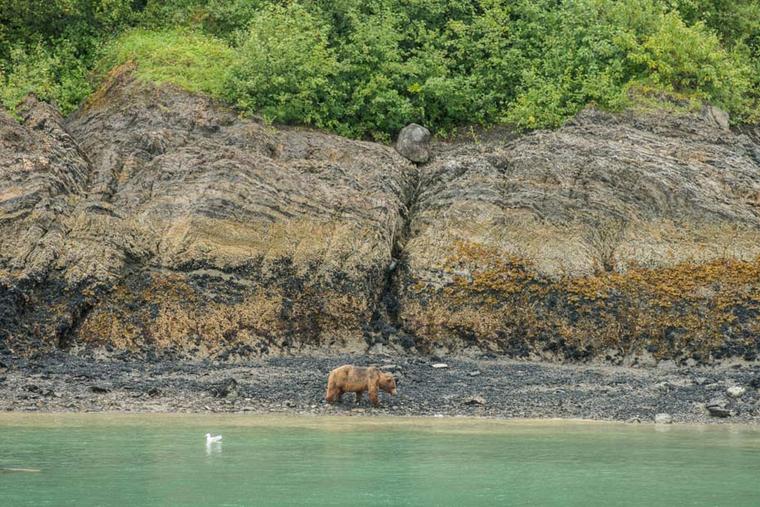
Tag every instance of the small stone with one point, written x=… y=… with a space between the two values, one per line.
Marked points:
x=663 y=419
x=718 y=407
x=475 y=400
x=440 y=365
x=227 y=388
x=755 y=382
x=153 y=392
x=391 y=368
x=633 y=420
x=736 y=391
x=474 y=373
x=666 y=364
x=100 y=388
x=413 y=143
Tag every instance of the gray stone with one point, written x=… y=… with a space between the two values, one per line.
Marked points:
x=475 y=373
x=718 y=407
x=475 y=400
x=717 y=116
x=413 y=143
x=736 y=391
x=663 y=419
x=440 y=365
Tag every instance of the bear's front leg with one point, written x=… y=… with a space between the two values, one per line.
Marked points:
x=359 y=396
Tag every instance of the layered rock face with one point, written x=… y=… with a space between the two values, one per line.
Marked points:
x=173 y=224
x=610 y=236
x=156 y=220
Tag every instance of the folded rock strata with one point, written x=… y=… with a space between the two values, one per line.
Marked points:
x=153 y=219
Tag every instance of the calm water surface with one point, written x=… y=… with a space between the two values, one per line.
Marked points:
x=110 y=460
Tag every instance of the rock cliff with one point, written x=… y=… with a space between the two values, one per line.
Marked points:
x=152 y=219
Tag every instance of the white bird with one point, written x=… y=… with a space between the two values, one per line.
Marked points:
x=214 y=439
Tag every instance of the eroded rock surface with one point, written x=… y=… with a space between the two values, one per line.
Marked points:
x=156 y=220
x=613 y=236
x=174 y=224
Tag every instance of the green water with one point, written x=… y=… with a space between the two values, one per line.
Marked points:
x=102 y=460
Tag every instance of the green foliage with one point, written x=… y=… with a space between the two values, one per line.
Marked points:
x=195 y=62
x=365 y=68
x=222 y=18
x=285 y=69
x=53 y=75
x=691 y=60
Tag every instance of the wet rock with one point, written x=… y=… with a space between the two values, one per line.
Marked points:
x=736 y=391
x=718 y=407
x=413 y=143
x=101 y=388
x=474 y=400
x=663 y=418
x=227 y=388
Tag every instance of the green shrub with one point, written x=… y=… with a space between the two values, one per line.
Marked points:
x=364 y=68
x=691 y=60
x=56 y=76
x=285 y=70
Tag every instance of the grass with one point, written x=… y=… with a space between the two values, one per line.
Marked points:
x=195 y=62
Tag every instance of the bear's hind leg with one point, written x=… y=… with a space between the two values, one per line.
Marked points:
x=373 y=397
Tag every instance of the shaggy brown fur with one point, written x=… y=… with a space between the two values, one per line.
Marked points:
x=355 y=379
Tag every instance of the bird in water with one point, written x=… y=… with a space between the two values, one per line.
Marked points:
x=212 y=440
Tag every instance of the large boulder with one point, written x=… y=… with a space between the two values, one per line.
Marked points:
x=414 y=143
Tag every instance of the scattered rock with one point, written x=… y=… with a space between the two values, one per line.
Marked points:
x=718 y=407
x=440 y=365
x=100 y=388
x=475 y=400
x=634 y=420
x=227 y=388
x=154 y=392
x=755 y=382
x=393 y=368
x=413 y=143
x=667 y=364
x=736 y=391
x=475 y=373
x=663 y=419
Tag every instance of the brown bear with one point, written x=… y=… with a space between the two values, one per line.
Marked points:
x=355 y=379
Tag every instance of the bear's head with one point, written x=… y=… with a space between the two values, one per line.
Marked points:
x=388 y=383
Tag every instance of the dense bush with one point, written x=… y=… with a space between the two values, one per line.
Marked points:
x=367 y=67
x=285 y=69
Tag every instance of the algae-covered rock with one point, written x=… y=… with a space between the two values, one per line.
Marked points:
x=630 y=232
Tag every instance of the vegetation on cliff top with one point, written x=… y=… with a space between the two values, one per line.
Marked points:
x=364 y=68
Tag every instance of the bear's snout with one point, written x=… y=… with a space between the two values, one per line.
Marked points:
x=394 y=392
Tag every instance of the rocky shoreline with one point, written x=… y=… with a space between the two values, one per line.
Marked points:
x=485 y=387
